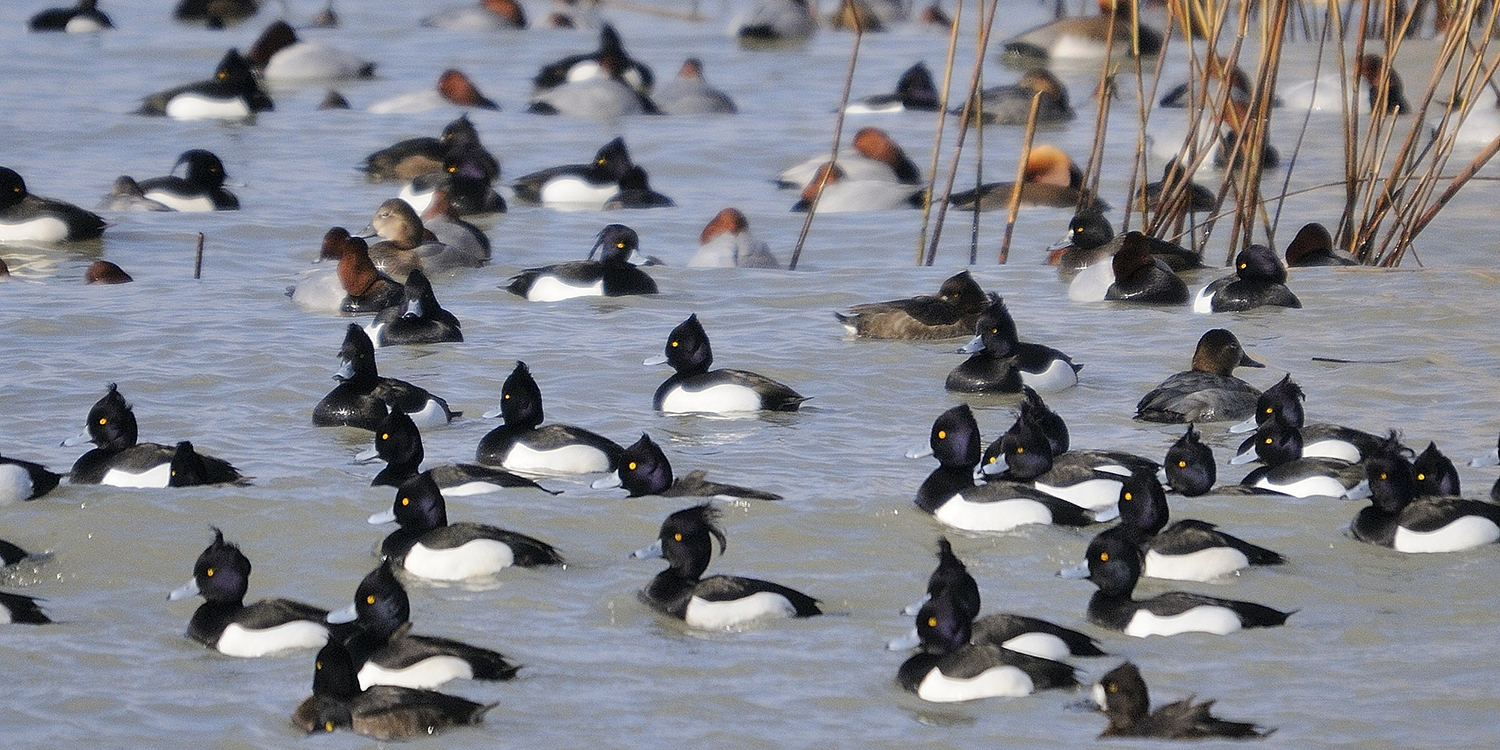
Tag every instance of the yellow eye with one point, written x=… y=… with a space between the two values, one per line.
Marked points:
x=620 y=245
x=328 y=726
x=992 y=459
x=370 y=599
x=1382 y=475
x=1182 y=464
x=1269 y=410
x=994 y=330
x=1243 y=266
x=1268 y=441
x=209 y=573
x=677 y=537
x=630 y=466
x=674 y=344
x=1103 y=557
x=1128 y=496
x=1020 y=449
x=932 y=622
x=1420 y=477
x=317 y=665
x=405 y=501
x=385 y=436
x=506 y=397
x=223 y=75
x=1113 y=687
x=452 y=169
x=103 y=420
x=942 y=434
x=601 y=161
x=174 y=473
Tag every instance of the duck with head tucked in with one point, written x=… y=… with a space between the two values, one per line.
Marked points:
x=1209 y=392
x=453 y=89
x=416 y=319
x=1140 y=276
x=717 y=602
x=1313 y=246
x=430 y=547
x=614 y=275
x=1049 y=179
x=384 y=712
x=226 y=624
x=589 y=64
x=279 y=56
x=696 y=388
x=524 y=444
x=413 y=157
x=1011 y=104
x=83 y=18
x=952 y=312
x=876 y=158
x=24 y=480
x=915 y=91
x=726 y=242
x=644 y=470
x=1122 y=695
x=1087 y=38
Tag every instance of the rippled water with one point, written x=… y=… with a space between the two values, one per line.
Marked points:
x=1384 y=650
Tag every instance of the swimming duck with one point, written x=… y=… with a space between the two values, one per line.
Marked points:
x=413 y=157
x=581 y=66
x=485 y=15
x=950 y=581
x=644 y=470
x=119 y=461
x=82 y=18
x=1090 y=479
x=398 y=443
x=578 y=185
x=1279 y=445
x=953 y=666
x=717 y=602
x=1141 y=277
x=201 y=190
x=1011 y=104
x=1091 y=241
x=950 y=495
x=1259 y=280
x=105 y=272
x=21 y=609
x=31 y=218
x=636 y=192
x=1189 y=468
x=1383 y=89
x=952 y=312
x=690 y=94
x=1000 y=362
x=1313 y=246
x=428 y=546
x=914 y=92
x=226 y=624
x=416 y=319
x=362 y=398
x=467 y=175
x=1121 y=694
x=385 y=651
x=215 y=13
x=1435 y=474
x=1081 y=38
x=278 y=55
x=524 y=444
x=1188 y=550
x=696 y=388
x=453 y=88
x=1399 y=518
x=384 y=712
x=613 y=275
x=126 y=195
x=464 y=240
x=24 y=480
x=726 y=242
x=876 y=158
x=774 y=22
x=1209 y=392
x=231 y=94
x=587 y=65
x=1049 y=179
x=364 y=288
x=834 y=192
x=1114 y=563
x=603 y=95
x=1318 y=440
